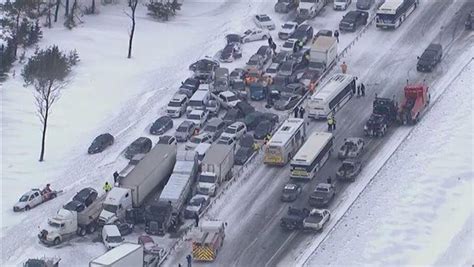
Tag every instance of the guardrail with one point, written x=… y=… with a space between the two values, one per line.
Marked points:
x=248 y=166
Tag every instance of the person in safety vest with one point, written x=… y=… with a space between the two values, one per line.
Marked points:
x=107 y=187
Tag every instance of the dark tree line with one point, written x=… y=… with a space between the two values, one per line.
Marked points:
x=163 y=9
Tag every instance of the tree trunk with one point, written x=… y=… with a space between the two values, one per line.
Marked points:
x=17 y=21
x=43 y=139
x=67 y=8
x=58 y=2
x=49 y=14
x=132 y=32
x=93 y=7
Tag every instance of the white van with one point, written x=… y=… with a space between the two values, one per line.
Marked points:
x=332 y=96
x=199 y=100
x=111 y=236
x=342 y=4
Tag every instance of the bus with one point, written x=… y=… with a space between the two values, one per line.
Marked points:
x=392 y=13
x=312 y=156
x=332 y=96
x=286 y=142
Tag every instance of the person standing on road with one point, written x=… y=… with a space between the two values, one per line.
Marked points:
x=336 y=34
x=107 y=187
x=302 y=110
x=270 y=41
x=274 y=47
x=189 y=258
x=296 y=110
x=344 y=67
x=196 y=219
x=362 y=89
x=330 y=122
x=116 y=178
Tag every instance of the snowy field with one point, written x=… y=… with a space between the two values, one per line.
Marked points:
x=419 y=208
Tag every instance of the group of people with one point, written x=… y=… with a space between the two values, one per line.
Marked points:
x=331 y=123
x=107 y=186
x=299 y=112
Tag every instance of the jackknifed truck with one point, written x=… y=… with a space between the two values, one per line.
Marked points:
x=138 y=181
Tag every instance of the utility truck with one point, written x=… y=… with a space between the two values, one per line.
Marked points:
x=138 y=181
x=216 y=167
x=125 y=255
x=323 y=53
x=74 y=218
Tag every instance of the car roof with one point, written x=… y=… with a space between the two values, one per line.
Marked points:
x=235 y=124
x=215 y=121
x=186 y=123
x=323 y=186
x=197 y=111
x=227 y=93
x=290 y=186
x=254 y=56
x=179 y=97
x=112 y=229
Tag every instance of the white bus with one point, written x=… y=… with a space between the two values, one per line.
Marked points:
x=312 y=155
x=332 y=96
x=392 y=13
x=286 y=142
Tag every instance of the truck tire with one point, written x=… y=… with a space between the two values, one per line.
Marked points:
x=27 y=208
x=81 y=231
x=91 y=228
x=57 y=241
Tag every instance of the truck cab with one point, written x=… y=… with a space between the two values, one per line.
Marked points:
x=310 y=8
x=118 y=200
x=207 y=183
x=158 y=218
x=208 y=240
x=58 y=228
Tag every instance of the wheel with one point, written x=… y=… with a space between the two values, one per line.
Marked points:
x=264 y=37
x=91 y=229
x=57 y=241
x=81 y=231
x=27 y=208
x=53 y=195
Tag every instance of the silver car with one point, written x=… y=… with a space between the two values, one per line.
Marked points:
x=184 y=131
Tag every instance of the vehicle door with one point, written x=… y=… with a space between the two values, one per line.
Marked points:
x=34 y=199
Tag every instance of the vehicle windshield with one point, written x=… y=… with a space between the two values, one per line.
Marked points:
x=287 y=26
x=110 y=208
x=207 y=178
x=232 y=98
x=316 y=65
x=24 y=198
x=195 y=140
x=286 y=67
x=194 y=117
x=238 y=85
x=288 y=45
x=195 y=202
x=210 y=128
x=230 y=130
x=182 y=129
x=264 y=18
x=253 y=61
x=195 y=103
x=174 y=104
x=347 y=166
x=428 y=55
x=228 y=49
x=271 y=70
x=54 y=224
x=114 y=239
x=309 y=1
x=288 y=190
x=256 y=88
x=340 y=1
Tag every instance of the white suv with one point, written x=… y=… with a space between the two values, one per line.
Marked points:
x=177 y=106
x=111 y=236
x=194 y=141
x=228 y=99
x=235 y=130
x=199 y=117
x=341 y=4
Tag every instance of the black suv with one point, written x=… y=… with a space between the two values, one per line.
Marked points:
x=352 y=20
x=86 y=196
x=430 y=58
x=100 y=143
x=140 y=146
x=161 y=125
x=303 y=33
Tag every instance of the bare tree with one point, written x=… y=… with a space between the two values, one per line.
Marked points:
x=46 y=70
x=133 y=6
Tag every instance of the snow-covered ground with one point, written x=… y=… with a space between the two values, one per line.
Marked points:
x=419 y=208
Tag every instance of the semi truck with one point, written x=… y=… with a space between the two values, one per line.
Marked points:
x=208 y=240
x=416 y=100
x=137 y=182
x=66 y=223
x=166 y=212
x=125 y=255
x=323 y=53
x=216 y=167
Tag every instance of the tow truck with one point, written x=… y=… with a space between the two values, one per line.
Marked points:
x=384 y=114
x=33 y=198
x=416 y=100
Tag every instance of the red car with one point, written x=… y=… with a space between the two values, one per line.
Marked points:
x=149 y=245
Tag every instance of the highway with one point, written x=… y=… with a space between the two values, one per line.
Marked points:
x=383 y=60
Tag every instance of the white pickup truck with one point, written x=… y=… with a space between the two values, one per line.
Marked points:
x=317 y=219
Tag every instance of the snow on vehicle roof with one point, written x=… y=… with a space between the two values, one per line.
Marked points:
x=312 y=147
x=115 y=254
x=323 y=43
x=324 y=186
x=333 y=86
x=183 y=167
x=216 y=153
x=202 y=148
x=287 y=129
x=111 y=230
x=290 y=186
x=390 y=6
x=227 y=94
x=175 y=187
x=209 y=225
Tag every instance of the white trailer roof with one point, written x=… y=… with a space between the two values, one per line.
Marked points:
x=117 y=253
x=216 y=153
x=311 y=148
x=175 y=187
x=183 y=167
x=188 y=155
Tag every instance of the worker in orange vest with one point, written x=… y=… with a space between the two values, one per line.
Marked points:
x=344 y=67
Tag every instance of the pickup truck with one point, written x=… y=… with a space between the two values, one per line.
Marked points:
x=322 y=195
x=33 y=198
x=294 y=219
